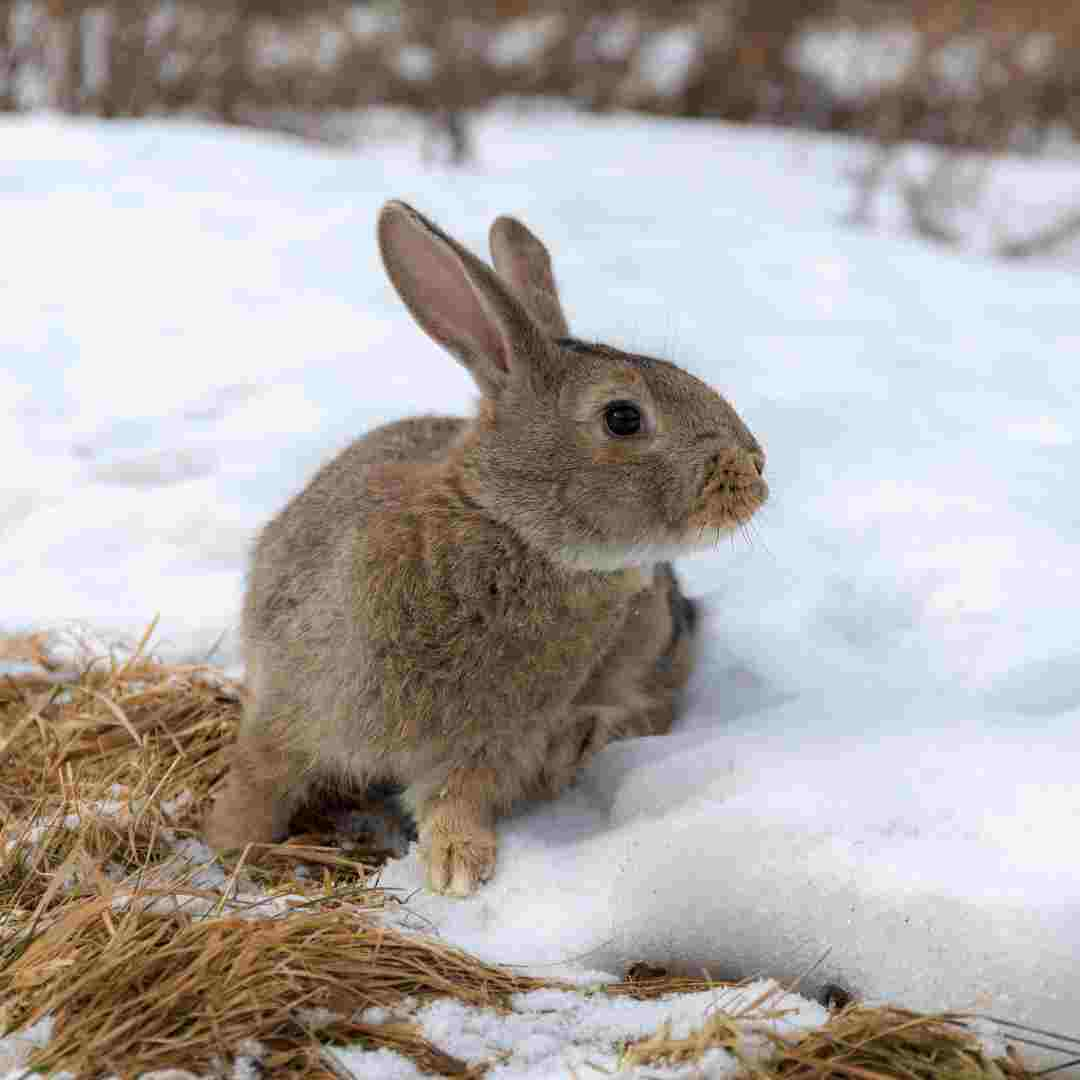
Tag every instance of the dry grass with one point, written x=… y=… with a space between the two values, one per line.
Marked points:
x=646 y=983
x=131 y=990
x=858 y=1043
x=146 y=732
x=144 y=951
x=719 y=1032
x=147 y=953
x=25 y=648
x=869 y=1043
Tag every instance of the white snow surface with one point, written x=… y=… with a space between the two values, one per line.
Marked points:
x=556 y=1033
x=875 y=781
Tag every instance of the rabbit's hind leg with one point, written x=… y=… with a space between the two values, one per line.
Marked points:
x=265 y=784
x=663 y=683
x=637 y=688
x=587 y=730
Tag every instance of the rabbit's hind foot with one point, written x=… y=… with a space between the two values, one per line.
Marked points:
x=256 y=802
x=243 y=816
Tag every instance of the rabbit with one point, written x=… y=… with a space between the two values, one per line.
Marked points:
x=468 y=609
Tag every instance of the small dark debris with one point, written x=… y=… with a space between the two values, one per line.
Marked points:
x=641 y=971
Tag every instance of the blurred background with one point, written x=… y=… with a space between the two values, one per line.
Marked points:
x=964 y=76
x=992 y=74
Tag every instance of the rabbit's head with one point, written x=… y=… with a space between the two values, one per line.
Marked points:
x=600 y=458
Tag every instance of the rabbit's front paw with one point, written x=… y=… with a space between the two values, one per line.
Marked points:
x=459 y=857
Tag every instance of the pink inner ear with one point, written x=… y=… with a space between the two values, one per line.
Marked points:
x=522 y=260
x=434 y=284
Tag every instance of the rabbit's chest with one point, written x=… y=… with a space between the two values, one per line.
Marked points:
x=459 y=642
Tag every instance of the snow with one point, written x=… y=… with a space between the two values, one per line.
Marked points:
x=666 y=60
x=550 y=1033
x=523 y=40
x=854 y=63
x=416 y=63
x=875 y=782
x=15 y=1048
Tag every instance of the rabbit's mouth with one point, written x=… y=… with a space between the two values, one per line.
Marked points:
x=732 y=491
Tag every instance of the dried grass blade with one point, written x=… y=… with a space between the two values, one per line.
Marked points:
x=136 y=656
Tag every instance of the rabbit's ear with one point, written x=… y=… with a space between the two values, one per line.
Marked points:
x=456 y=298
x=522 y=260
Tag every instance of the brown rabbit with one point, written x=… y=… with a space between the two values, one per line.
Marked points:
x=469 y=608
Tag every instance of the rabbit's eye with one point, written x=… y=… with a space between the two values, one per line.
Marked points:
x=622 y=418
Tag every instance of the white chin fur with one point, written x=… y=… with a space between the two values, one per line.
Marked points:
x=610 y=557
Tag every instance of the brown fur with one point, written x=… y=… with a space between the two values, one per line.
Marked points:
x=472 y=608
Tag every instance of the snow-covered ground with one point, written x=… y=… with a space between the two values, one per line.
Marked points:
x=876 y=779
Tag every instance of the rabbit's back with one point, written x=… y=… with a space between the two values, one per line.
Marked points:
x=294 y=548
x=416 y=439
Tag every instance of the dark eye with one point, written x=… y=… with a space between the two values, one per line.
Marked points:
x=622 y=418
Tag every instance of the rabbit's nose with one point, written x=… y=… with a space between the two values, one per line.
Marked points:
x=733 y=488
x=735 y=467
